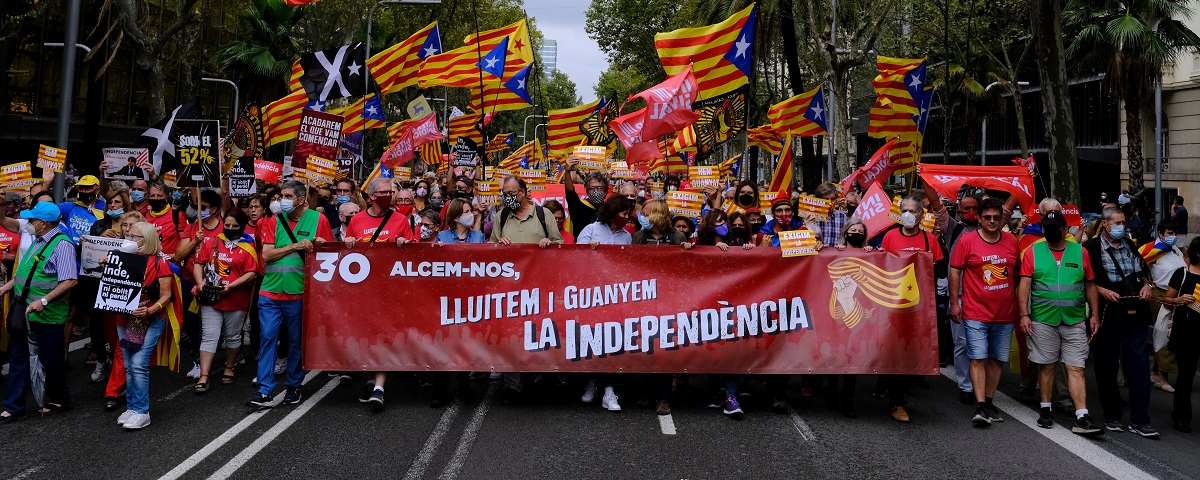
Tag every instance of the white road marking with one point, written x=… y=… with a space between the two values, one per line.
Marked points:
x=1077 y=445
x=172 y=395
x=417 y=470
x=27 y=472
x=227 y=470
x=667 y=424
x=459 y=458
x=78 y=344
x=801 y=426
x=220 y=441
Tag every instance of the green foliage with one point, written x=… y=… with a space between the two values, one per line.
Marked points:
x=557 y=91
x=268 y=45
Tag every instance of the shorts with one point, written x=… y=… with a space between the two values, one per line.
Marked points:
x=1063 y=343
x=988 y=340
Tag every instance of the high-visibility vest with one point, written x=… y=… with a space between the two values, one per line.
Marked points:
x=286 y=275
x=1057 y=291
x=42 y=283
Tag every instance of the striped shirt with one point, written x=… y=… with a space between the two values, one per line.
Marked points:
x=1129 y=263
x=62 y=260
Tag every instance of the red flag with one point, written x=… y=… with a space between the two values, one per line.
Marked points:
x=873 y=209
x=642 y=152
x=669 y=105
x=267 y=171
x=628 y=128
x=1029 y=163
x=948 y=179
x=880 y=166
x=400 y=152
x=424 y=130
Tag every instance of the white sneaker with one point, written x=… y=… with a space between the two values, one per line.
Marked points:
x=137 y=421
x=125 y=417
x=98 y=372
x=495 y=375
x=589 y=392
x=280 y=366
x=194 y=373
x=609 y=402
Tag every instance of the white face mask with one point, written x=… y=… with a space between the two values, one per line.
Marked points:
x=908 y=219
x=276 y=207
x=467 y=219
x=128 y=246
x=27 y=227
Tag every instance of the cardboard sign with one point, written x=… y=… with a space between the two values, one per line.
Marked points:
x=241 y=178
x=321 y=171
x=1195 y=293
x=814 y=208
x=267 y=171
x=199 y=153
x=50 y=158
x=465 y=153
x=402 y=173
x=765 y=199
x=687 y=204
x=121 y=282
x=17 y=176
x=657 y=190
x=704 y=177
x=126 y=163
x=928 y=222
x=92 y=250
x=590 y=157
x=488 y=192
x=798 y=243
x=320 y=135
x=873 y=209
x=535 y=180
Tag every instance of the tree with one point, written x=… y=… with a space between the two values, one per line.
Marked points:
x=1132 y=42
x=624 y=31
x=148 y=44
x=264 y=55
x=558 y=91
x=1046 y=25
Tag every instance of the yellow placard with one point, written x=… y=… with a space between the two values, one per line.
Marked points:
x=319 y=170
x=765 y=199
x=50 y=158
x=704 y=177
x=814 y=208
x=402 y=173
x=488 y=192
x=798 y=243
x=17 y=176
x=657 y=190
x=590 y=157
x=687 y=204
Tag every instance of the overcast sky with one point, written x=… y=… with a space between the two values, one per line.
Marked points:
x=578 y=55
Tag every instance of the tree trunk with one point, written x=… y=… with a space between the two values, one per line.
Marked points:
x=155 y=103
x=810 y=164
x=1019 y=110
x=973 y=142
x=1046 y=26
x=1133 y=129
x=843 y=165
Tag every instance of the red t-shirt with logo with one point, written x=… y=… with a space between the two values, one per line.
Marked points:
x=198 y=231
x=168 y=232
x=989 y=283
x=9 y=241
x=896 y=241
x=363 y=225
x=231 y=264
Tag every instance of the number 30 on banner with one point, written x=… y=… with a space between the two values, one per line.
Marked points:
x=329 y=263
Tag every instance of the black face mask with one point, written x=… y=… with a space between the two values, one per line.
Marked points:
x=86 y=197
x=231 y=234
x=462 y=194
x=856 y=239
x=746 y=199
x=850 y=210
x=157 y=204
x=1053 y=235
x=757 y=225
x=738 y=232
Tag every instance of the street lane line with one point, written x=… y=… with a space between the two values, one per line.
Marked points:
x=417 y=469
x=667 y=424
x=224 y=438
x=172 y=395
x=801 y=426
x=269 y=436
x=27 y=472
x=1080 y=446
x=459 y=458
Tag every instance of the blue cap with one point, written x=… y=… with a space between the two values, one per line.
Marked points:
x=44 y=211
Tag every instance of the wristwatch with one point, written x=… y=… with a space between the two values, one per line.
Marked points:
x=44 y=302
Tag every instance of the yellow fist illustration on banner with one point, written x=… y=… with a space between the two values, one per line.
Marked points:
x=885 y=288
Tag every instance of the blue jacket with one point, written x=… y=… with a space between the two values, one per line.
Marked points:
x=769 y=229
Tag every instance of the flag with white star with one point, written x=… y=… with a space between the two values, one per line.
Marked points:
x=519 y=84
x=803 y=115
x=493 y=62
x=335 y=73
x=720 y=55
x=159 y=141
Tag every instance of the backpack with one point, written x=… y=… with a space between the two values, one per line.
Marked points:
x=540 y=215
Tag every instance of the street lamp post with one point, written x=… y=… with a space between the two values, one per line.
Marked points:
x=831 y=100
x=1158 y=143
x=67 y=90
x=236 y=95
x=983 y=139
x=525 y=127
x=371 y=17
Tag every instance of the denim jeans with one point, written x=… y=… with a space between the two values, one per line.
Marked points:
x=137 y=367
x=273 y=315
x=49 y=338
x=962 y=364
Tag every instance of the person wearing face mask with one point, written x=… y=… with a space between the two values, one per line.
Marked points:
x=436 y=200
x=715 y=230
x=1121 y=342
x=1164 y=258
x=656 y=228
x=685 y=226
x=461 y=229
x=431 y=225
x=137 y=193
x=421 y=196
x=909 y=237
x=784 y=220
x=560 y=218
x=343 y=193
x=178 y=236
x=831 y=229
x=45 y=275
x=608 y=229
x=287 y=239
x=583 y=211
x=78 y=216
x=747 y=196
x=227 y=260
x=380 y=222
x=460 y=187
x=345 y=213
x=116 y=377
x=108 y=226
x=1033 y=231
x=1184 y=338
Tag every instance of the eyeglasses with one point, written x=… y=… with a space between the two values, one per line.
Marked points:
x=130 y=236
x=342 y=190
x=404 y=201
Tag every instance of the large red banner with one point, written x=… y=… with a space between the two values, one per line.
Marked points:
x=618 y=309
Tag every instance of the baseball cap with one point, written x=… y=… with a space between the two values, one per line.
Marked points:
x=88 y=181
x=44 y=211
x=1053 y=219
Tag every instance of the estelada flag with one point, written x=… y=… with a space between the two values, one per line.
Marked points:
x=1153 y=251
x=459 y=67
x=397 y=66
x=499 y=142
x=803 y=115
x=721 y=54
x=528 y=154
x=365 y=113
x=496 y=96
x=563 y=131
x=765 y=137
x=781 y=180
x=901 y=81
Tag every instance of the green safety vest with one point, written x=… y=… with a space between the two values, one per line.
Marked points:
x=42 y=283
x=1057 y=291
x=286 y=275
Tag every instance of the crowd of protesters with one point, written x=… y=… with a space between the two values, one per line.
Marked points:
x=227 y=272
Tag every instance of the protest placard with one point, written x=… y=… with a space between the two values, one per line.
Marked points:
x=704 y=177
x=814 y=208
x=798 y=243
x=198 y=153
x=590 y=157
x=488 y=192
x=17 y=176
x=126 y=163
x=92 y=249
x=121 y=282
x=683 y=203
x=320 y=135
x=50 y=158
x=241 y=178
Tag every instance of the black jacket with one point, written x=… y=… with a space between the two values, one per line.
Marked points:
x=1093 y=248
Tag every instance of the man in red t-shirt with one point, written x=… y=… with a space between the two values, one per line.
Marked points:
x=909 y=237
x=364 y=224
x=988 y=258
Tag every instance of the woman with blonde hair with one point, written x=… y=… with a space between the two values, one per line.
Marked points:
x=140 y=331
x=656 y=228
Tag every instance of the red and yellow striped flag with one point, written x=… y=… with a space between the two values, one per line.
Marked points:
x=887 y=122
x=896 y=85
x=431 y=152
x=397 y=67
x=719 y=54
x=685 y=140
x=395 y=130
x=563 y=128
x=281 y=118
x=495 y=97
x=726 y=167
x=530 y=152
x=294 y=80
x=800 y=114
x=355 y=120
x=782 y=179
x=764 y=137
x=464 y=126
x=459 y=67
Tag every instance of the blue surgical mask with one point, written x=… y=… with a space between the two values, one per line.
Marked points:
x=287 y=205
x=1117 y=232
x=204 y=214
x=118 y=213
x=644 y=221
x=137 y=195
x=176 y=195
x=723 y=230
x=1171 y=240
x=343 y=199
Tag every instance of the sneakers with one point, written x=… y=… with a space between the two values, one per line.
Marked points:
x=992 y=412
x=365 y=395
x=1146 y=431
x=1114 y=426
x=137 y=421
x=732 y=409
x=293 y=396
x=259 y=401
x=1086 y=426
x=589 y=392
x=125 y=417
x=1045 y=418
x=966 y=398
x=101 y=371
x=981 y=418
x=664 y=408
x=376 y=400
x=194 y=373
x=1164 y=386
x=609 y=401
x=899 y=414
x=280 y=366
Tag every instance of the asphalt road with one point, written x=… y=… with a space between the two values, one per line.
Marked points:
x=553 y=435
